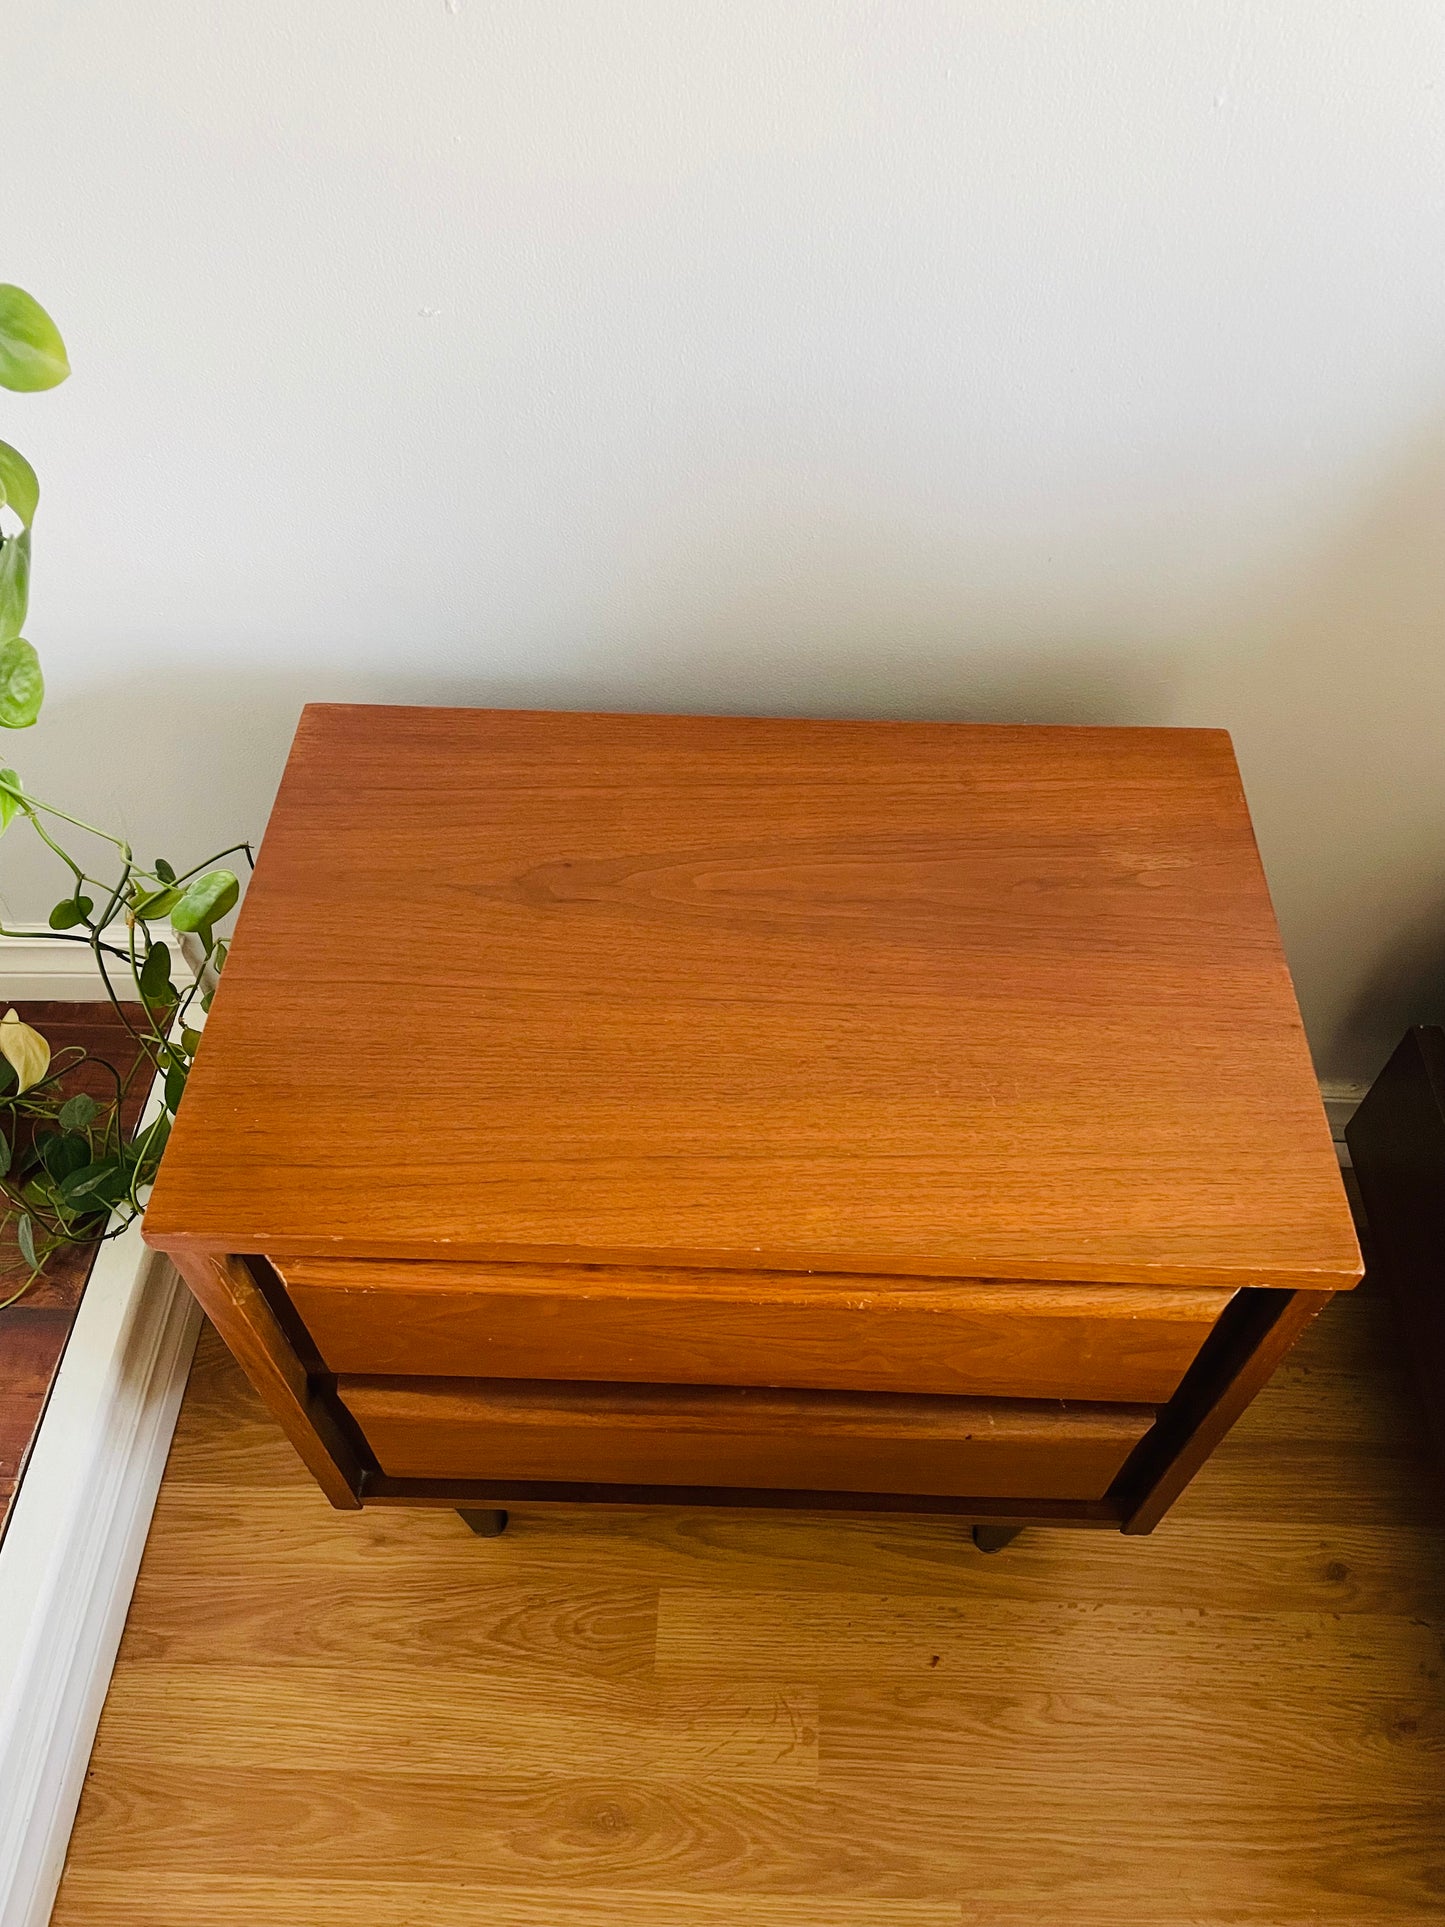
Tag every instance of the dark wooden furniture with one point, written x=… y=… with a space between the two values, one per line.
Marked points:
x=1397 y=1146
x=827 y=1114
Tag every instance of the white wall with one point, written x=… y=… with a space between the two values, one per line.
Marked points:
x=1075 y=360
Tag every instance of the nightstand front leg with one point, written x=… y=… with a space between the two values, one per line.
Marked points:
x=995 y=1538
x=486 y=1524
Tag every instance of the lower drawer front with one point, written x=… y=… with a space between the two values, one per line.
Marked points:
x=664 y=1327
x=497 y=1429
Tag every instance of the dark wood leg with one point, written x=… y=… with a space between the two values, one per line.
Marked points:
x=486 y=1524
x=995 y=1538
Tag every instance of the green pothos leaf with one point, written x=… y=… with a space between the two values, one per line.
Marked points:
x=63 y=1154
x=14 y=583
x=22 y=686
x=206 y=900
x=155 y=903
x=11 y=795
x=150 y=1145
x=32 y=354
x=69 y=912
x=92 y=1185
x=155 y=975
x=25 y=1238
x=77 y=1112
x=19 y=484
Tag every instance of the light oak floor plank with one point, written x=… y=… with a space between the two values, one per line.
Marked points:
x=1058 y=1648
x=244 y=1901
x=610 y=1718
x=453 y=1719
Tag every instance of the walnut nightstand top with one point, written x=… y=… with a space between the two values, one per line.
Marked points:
x=968 y=1001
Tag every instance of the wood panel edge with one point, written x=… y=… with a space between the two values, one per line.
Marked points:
x=1235 y=1365
x=450 y=1494
x=959 y=1268
x=229 y=1295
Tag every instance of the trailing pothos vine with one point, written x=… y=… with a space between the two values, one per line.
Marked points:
x=71 y=1171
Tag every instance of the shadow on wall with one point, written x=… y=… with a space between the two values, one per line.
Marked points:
x=922 y=678
x=1337 y=703
x=1405 y=985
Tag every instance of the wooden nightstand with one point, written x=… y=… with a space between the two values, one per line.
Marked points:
x=717 y=1110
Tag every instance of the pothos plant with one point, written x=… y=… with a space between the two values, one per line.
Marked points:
x=71 y=1170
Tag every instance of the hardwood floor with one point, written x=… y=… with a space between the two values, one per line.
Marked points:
x=638 y=1719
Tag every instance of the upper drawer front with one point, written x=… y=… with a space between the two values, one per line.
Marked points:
x=1128 y=1342
x=631 y=1435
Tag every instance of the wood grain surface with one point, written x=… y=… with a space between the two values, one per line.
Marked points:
x=960 y=1001
x=32 y=1342
x=1128 y=1343
x=613 y=1718
x=856 y=1442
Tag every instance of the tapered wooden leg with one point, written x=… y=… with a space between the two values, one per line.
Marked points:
x=995 y=1538
x=486 y=1524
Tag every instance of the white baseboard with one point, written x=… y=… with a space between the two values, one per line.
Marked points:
x=1341 y=1100
x=69 y=1557
x=35 y=968
x=78 y=1523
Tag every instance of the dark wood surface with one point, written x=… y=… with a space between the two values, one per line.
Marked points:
x=1397 y=1145
x=921 y=998
x=33 y=1332
x=31 y=1345
x=732 y=1436
x=1130 y=1343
